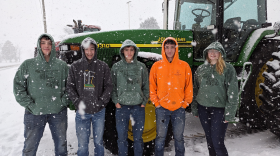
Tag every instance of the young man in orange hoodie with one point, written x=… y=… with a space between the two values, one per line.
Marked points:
x=171 y=91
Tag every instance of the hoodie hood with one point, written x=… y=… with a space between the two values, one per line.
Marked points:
x=176 y=55
x=85 y=44
x=217 y=46
x=128 y=43
x=40 y=56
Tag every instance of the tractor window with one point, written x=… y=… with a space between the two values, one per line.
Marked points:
x=193 y=14
x=241 y=18
x=197 y=15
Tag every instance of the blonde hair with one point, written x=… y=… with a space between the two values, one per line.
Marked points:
x=220 y=65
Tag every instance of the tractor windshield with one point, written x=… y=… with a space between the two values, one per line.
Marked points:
x=200 y=17
x=241 y=18
x=192 y=14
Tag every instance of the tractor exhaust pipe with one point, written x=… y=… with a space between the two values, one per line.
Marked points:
x=165 y=13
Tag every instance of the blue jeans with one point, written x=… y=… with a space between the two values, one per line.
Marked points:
x=34 y=126
x=212 y=120
x=83 y=129
x=177 y=117
x=122 y=121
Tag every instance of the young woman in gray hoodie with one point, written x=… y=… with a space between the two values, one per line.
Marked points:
x=130 y=94
x=215 y=97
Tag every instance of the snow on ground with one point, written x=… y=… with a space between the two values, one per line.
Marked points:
x=3 y=64
x=11 y=134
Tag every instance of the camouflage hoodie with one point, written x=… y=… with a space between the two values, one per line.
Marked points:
x=214 y=90
x=89 y=81
x=39 y=86
x=130 y=80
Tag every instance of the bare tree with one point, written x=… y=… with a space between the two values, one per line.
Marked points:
x=8 y=51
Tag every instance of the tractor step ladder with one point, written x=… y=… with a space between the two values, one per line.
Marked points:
x=243 y=81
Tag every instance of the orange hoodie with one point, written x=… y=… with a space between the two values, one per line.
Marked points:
x=171 y=83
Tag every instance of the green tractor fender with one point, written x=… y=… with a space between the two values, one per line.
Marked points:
x=251 y=44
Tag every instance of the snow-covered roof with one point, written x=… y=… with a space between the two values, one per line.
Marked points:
x=78 y=35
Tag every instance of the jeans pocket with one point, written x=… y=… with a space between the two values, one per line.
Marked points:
x=28 y=120
x=26 y=112
x=63 y=111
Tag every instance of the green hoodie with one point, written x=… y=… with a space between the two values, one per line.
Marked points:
x=39 y=86
x=130 y=80
x=214 y=90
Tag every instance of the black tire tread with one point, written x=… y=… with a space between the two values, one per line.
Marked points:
x=270 y=96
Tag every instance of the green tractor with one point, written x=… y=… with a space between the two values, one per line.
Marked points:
x=240 y=25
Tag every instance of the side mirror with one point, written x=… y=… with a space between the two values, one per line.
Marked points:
x=264 y=25
x=276 y=26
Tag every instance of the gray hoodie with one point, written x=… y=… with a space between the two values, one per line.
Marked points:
x=89 y=81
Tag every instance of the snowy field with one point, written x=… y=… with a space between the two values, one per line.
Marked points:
x=11 y=134
x=4 y=64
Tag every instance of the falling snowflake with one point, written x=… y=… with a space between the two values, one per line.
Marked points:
x=82 y=108
x=193 y=43
x=132 y=120
x=214 y=31
x=189 y=55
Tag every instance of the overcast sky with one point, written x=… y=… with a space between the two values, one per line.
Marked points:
x=21 y=20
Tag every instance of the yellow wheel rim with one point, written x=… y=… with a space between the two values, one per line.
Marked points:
x=149 y=132
x=260 y=79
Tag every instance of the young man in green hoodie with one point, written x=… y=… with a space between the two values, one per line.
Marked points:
x=39 y=86
x=130 y=94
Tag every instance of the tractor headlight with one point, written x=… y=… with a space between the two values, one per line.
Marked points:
x=63 y=47
x=75 y=47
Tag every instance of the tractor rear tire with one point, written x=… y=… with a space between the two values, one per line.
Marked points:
x=271 y=94
x=257 y=110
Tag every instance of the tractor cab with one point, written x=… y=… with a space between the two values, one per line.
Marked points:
x=227 y=21
x=79 y=27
